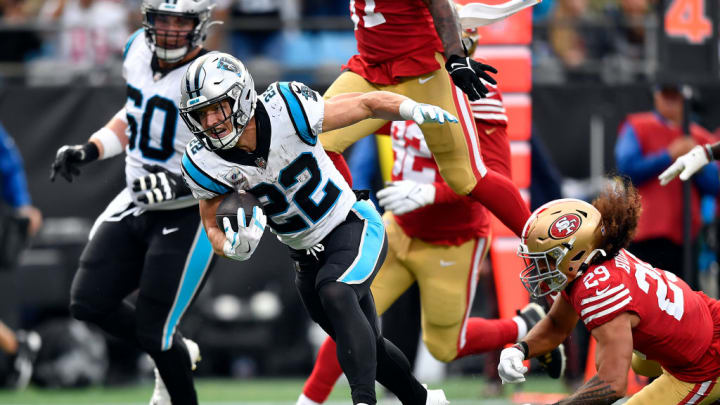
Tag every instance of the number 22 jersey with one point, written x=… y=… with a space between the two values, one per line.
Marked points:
x=679 y=328
x=300 y=190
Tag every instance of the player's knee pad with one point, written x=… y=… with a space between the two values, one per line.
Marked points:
x=460 y=179
x=441 y=350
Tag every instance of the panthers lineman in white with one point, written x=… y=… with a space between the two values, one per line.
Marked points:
x=268 y=145
x=149 y=237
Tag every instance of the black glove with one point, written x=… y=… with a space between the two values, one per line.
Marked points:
x=159 y=185
x=465 y=73
x=69 y=158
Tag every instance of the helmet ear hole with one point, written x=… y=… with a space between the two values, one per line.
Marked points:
x=578 y=256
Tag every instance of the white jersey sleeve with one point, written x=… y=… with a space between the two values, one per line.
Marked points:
x=198 y=169
x=136 y=36
x=305 y=106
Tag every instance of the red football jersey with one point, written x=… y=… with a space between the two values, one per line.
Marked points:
x=395 y=38
x=449 y=223
x=679 y=327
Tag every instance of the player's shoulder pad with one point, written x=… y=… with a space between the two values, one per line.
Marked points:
x=198 y=173
x=306 y=109
x=601 y=293
x=131 y=39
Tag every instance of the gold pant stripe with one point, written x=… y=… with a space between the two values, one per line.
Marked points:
x=668 y=390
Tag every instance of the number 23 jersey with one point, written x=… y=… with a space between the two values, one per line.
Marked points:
x=300 y=190
x=679 y=327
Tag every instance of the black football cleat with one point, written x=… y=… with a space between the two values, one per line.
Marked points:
x=554 y=361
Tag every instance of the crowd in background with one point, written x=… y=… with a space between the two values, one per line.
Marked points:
x=54 y=41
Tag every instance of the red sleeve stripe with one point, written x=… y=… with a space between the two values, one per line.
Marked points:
x=605 y=303
x=603 y=295
x=607 y=311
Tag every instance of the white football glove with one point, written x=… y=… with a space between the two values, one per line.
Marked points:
x=686 y=165
x=424 y=113
x=511 y=368
x=240 y=245
x=401 y=197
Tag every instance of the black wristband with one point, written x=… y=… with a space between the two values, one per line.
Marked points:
x=90 y=152
x=523 y=347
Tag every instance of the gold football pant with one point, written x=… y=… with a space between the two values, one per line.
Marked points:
x=446 y=277
x=668 y=390
x=455 y=146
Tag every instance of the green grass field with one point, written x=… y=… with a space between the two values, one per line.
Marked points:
x=460 y=391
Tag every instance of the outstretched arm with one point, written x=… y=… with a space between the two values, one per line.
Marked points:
x=447 y=26
x=551 y=330
x=350 y=108
x=542 y=338
x=613 y=356
x=465 y=71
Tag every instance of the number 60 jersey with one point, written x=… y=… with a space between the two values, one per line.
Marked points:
x=679 y=328
x=155 y=134
x=301 y=192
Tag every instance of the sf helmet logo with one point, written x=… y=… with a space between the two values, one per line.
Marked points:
x=565 y=226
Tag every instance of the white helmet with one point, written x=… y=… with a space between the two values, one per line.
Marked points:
x=212 y=79
x=176 y=43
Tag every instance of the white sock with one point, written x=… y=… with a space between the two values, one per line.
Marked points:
x=522 y=327
x=303 y=400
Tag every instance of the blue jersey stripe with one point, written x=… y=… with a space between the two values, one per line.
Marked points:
x=370 y=248
x=202 y=179
x=297 y=113
x=199 y=262
x=130 y=41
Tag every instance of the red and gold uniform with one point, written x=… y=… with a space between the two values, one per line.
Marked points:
x=399 y=51
x=439 y=246
x=679 y=328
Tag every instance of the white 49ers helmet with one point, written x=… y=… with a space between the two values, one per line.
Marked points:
x=217 y=81
x=171 y=45
x=558 y=242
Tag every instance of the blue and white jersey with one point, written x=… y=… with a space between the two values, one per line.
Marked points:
x=302 y=193
x=155 y=132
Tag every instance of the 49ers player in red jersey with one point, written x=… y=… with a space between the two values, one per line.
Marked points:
x=403 y=46
x=579 y=249
x=438 y=239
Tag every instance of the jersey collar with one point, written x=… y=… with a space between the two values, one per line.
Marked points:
x=259 y=156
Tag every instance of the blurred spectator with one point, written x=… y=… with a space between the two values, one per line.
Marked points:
x=20 y=44
x=92 y=35
x=253 y=41
x=628 y=36
x=18 y=219
x=577 y=39
x=648 y=143
x=15 y=193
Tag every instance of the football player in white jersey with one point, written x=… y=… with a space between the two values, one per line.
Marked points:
x=268 y=145
x=149 y=237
